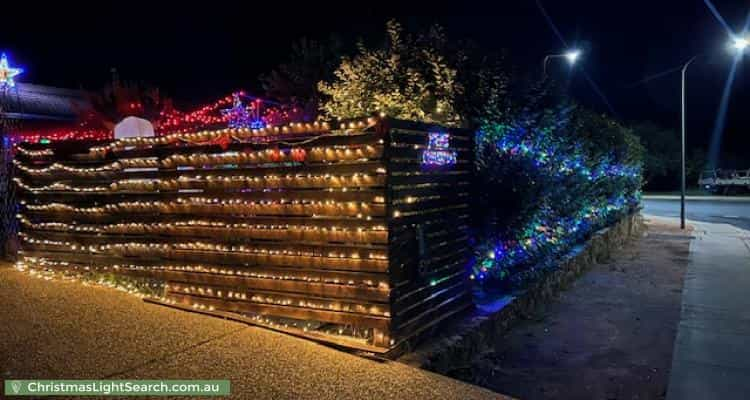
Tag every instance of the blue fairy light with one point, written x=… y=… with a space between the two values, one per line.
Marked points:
x=438 y=151
x=548 y=232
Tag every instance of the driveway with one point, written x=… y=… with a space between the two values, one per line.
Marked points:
x=63 y=329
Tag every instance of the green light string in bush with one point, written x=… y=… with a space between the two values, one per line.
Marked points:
x=565 y=190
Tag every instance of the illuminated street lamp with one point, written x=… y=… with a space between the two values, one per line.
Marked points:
x=571 y=56
x=739 y=44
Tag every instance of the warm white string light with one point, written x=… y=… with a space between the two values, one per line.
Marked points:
x=166 y=248
x=333 y=241
x=301 y=276
x=325 y=181
x=367 y=234
x=206 y=291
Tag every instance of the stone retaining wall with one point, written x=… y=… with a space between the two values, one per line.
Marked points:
x=462 y=339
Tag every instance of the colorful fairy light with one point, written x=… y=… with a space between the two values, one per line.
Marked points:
x=256 y=115
x=56 y=135
x=237 y=116
x=227 y=111
x=602 y=190
x=438 y=152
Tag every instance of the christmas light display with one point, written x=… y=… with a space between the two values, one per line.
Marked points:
x=281 y=114
x=8 y=73
x=238 y=116
x=217 y=115
x=225 y=160
x=205 y=117
x=257 y=114
x=56 y=135
x=257 y=122
x=603 y=191
x=438 y=152
x=219 y=229
x=290 y=225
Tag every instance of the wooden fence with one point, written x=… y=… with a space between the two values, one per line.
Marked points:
x=355 y=234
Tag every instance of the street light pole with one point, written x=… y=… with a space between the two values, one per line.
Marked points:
x=682 y=153
x=739 y=44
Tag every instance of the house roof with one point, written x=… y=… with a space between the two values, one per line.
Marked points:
x=35 y=102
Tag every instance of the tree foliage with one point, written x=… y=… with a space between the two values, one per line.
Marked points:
x=551 y=172
x=662 y=160
x=295 y=82
x=407 y=77
x=118 y=100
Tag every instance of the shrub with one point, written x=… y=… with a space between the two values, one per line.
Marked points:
x=406 y=78
x=549 y=177
x=548 y=172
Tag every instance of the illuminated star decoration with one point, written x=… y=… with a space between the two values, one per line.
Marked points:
x=7 y=73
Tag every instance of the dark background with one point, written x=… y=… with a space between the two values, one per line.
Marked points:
x=196 y=54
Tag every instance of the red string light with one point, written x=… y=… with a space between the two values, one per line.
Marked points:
x=170 y=121
x=55 y=135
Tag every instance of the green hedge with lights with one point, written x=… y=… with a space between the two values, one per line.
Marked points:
x=549 y=176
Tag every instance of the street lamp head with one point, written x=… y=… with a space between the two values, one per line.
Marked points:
x=572 y=56
x=740 y=44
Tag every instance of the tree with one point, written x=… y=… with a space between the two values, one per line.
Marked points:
x=406 y=78
x=118 y=100
x=295 y=83
x=696 y=162
x=662 y=159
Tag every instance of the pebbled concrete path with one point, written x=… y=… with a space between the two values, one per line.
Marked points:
x=60 y=329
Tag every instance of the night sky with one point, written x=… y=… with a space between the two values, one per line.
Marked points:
x=196 y=55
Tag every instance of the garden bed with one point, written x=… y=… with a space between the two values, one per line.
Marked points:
x=460 y=340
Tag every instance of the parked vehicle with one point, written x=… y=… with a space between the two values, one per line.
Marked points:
x=725 y=181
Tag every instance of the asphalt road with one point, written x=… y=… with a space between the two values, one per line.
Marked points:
x=64 y=330
x=730 y=211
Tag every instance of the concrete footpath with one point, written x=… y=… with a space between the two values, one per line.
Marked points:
x=712 y=351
